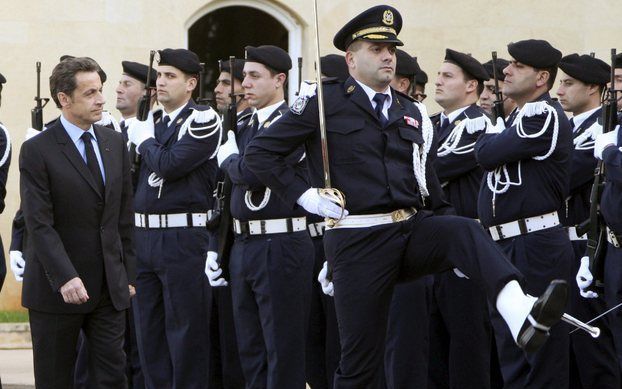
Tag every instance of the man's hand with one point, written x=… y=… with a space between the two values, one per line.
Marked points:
x=132 y=290
x=213 y=270
x=74 y=292
x=228 y=148
x=584 y=279
x=603 y=141
x=138 y=132
x=327 y=285
x=18 y=265
x=314 y=203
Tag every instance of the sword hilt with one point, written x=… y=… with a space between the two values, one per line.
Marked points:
x=337 y=197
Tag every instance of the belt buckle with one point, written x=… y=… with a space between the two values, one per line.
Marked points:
x=399 y=215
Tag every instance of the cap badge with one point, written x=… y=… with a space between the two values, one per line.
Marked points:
x=387 y=17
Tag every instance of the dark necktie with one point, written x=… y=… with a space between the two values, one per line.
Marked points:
x=91 y=161
x=160 y=130
x=572 y=124
x=379 y=100
x=123 y=129
x=444 y=124
x=254 y=123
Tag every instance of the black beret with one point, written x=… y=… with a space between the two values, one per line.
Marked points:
x=406 y=65
x=421 y=78
x=381 y=23
x=182 y=59
x=501 y=64
x=535 y=53
x=271 y=56
x=619 y=61
x=586 y=69
x=238 y=68
x=139 y=72
x=468 y=64
x=334 y=65
x=2 y=79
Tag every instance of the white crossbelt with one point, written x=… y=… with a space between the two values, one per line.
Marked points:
x=172 y=220
x=524 y=226
x=572 y=234
x=612 y=238
x=270 y=226
x=316 y=229
x=376 y=219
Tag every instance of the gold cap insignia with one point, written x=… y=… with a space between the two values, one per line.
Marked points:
x=387 y=17
x=376 y=36
x=351 y=89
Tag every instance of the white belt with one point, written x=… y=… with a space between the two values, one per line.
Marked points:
x=316 y=229
x=172 y=220
x=572 y=234
x=376 y=219
x=524 y=226
x=612 y=238
x=270 y=226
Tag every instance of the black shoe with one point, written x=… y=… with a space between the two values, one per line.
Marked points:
x=546 y=311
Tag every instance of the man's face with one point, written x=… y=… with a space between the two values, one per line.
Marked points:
x=573 y=94
x=260 y=86
x=129 y=91
x=451 y=87
x=520 y=80
x=173 y=87
x=222 y=90
x=84 y=106
x=617 y=86
x=488 y=97
x=372 y=63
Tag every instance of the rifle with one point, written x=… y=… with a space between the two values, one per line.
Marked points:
x=497 y=108
x=36 y=114
x=202 y=98
x=144 y=106
x=595 y=226
x=299 y=75
x=223 y=191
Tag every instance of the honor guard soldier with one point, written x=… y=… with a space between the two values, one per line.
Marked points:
x=381 y=149
x=172 y=201
x=271 y=259
x=487 y=98
x=132 y=86
x=593 y=361
x=5 y=161
x=460 y=323
x=408 y=339
x=225 y=369
x=618 y=83
x=527 y=172
x=421 y=78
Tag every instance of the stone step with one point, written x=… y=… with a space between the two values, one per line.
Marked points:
x=15 y=336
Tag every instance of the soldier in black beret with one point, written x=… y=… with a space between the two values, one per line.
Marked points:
x=394 y=227
x=334 y=65
x=618 y=82
x=488 y=97
x=222 y=91
x=581 y=84
x=421 y=78
x=132 y=86
x=526 y=179
x=173 y=200
x=406 y=68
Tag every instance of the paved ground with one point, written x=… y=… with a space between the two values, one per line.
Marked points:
x=16 y=369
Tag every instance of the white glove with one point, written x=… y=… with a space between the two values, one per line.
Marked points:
x=228 y=148
x=603 y=141
x=18 y=264
x=584 y=279
x=313 y=203
x=327 y=286
x=459 y=273
x=138 y=132
x=213 y=270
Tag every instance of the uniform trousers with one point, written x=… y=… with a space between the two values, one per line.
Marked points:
x=367 y=263
x=541 y=256
x=270 y=289
x=593 y=362
x=323 y=336
x=171 y=307
x=461 y=335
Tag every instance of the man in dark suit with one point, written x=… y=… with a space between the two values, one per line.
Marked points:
x=76 y=200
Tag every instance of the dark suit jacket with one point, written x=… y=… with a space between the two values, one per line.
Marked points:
x=74 y=231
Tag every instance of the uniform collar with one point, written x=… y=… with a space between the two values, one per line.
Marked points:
x=264 y=113
x=74 y=131
x=582 y=117
x=173 y=115
x=454 y=114
x=371 y=93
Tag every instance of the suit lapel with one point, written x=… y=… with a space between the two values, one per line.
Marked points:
x=359 y=97
x=71 y=153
